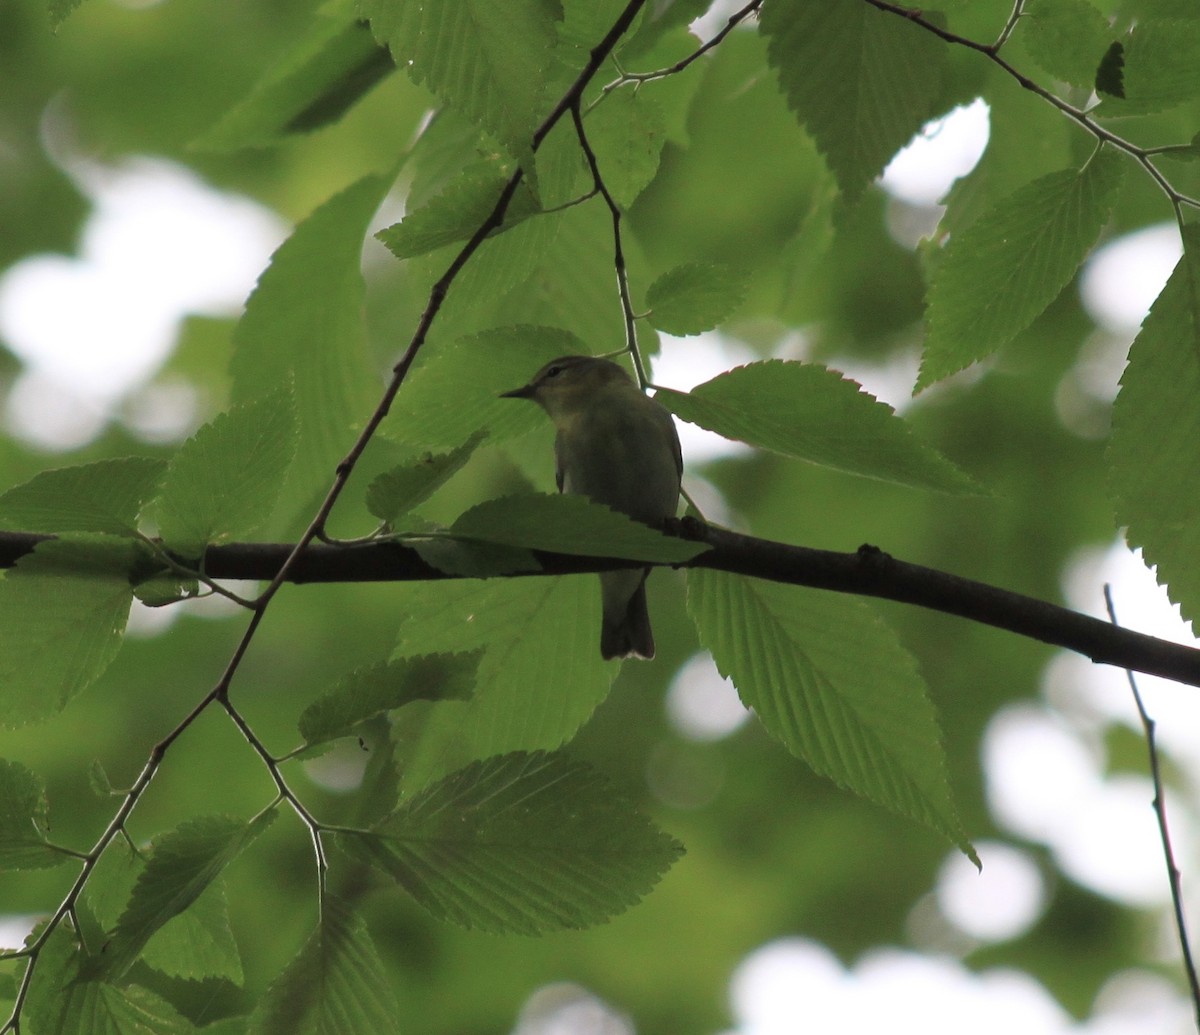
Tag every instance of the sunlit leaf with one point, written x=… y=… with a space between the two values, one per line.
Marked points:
x=456 y=391
x=1158 y=69
x=455 y=214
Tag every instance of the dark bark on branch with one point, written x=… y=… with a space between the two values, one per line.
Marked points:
x=868 y=572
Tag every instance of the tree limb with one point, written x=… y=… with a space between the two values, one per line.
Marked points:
x=867 y=572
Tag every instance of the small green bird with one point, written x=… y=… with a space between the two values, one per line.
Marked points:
x=620 y=448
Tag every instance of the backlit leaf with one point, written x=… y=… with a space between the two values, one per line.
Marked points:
x=337 y=985
x=861 y=81
x=65 y=607
x=812 y=413
x=105 y=496
x=223 y=481
x=829 y=679
x=1000 y=272
x=524 y=843
x=1154 y=455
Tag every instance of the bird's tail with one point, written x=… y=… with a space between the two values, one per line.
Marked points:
x=625 y=631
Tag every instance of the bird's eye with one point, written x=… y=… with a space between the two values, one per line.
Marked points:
x=554 y=371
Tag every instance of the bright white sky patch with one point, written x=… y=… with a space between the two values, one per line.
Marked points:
x=998 y=903
x=795 y=985
x=684 y=363
x=701 y=703
x=1122 y=278
x=159 y=244
x=944 y=150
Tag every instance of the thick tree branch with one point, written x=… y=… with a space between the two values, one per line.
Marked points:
x=867 y=572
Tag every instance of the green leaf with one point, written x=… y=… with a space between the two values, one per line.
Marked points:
x=455 y=391
x=182 y=864
x=695 y=297
x=197 y=943
x=165 y=587
x=486 y=60
x=24 y=815
x=65 y=607
x=337 y=985
x=1067 y=38
x=829 y=679
x=401 y=488
x=524 y=843
x=105 y=496
x=223 y=481
x=303 y=325
x=456 y=213
x=379 y=688
x=861 y=81
x=540 y=677
x=1154 y=453
x=1160 y=68
x=65 y=998
x=473 y=558
x=812 y=413
x=325 y=73
x=570 y=524
x=1000 y=272
x=627 y=134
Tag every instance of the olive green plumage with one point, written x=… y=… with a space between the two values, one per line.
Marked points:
x=620 y=448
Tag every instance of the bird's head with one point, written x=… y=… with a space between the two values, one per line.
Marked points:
x=569 y=383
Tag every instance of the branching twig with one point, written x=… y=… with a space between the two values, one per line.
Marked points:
x=1141 y=155
x=220 y=692
x=1160 y=811
x=732 y=23
x=1013 y=17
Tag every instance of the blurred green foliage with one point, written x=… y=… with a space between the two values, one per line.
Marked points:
x=771 y=848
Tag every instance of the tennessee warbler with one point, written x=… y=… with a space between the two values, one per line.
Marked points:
x=619 y=448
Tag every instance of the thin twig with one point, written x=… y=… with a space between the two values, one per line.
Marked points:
x=622 y=271
x=1141 y=155
x=1174 y=879
x=220 y=692
x=1013 y=18
x=732 y=23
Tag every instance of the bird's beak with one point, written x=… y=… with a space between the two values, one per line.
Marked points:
x=525 y=392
